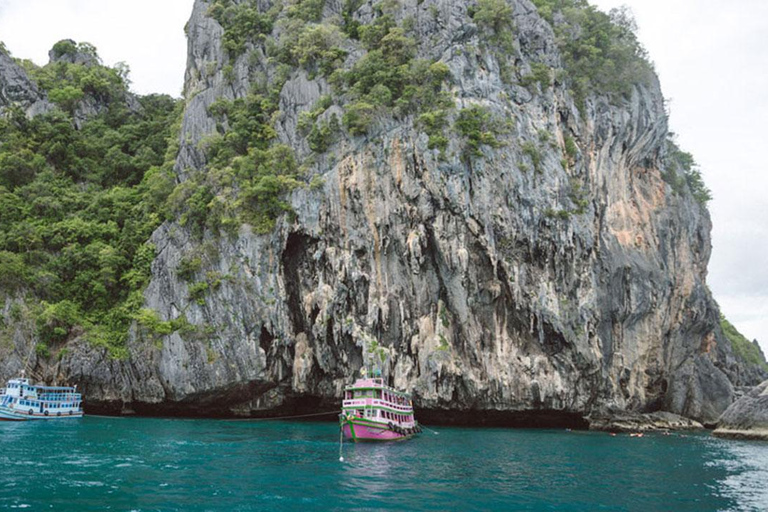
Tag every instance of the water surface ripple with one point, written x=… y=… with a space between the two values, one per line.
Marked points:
x=199 y=465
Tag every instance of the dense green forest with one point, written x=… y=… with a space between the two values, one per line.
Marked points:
x=78 y=205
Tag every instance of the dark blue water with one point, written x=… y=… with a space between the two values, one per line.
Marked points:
x=155 y=464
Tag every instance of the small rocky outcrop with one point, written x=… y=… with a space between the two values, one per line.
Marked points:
x=620 y=421
x=16 y=89
x=71 y=52
x=747 y=418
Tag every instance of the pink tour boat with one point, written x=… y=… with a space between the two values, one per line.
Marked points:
x=372 y=411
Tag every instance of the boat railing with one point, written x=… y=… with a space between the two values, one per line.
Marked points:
x=391 y=405
x=361 y=402
x=59 y=397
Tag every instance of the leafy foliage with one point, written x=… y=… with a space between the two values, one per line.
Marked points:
x=79 y=204
x=306 y=10
x=244 y=155
x=742 y=347
x=540 y=74
x=682 y=171
x=533 y=152
x=477 y=126
x=311 y=46
x=66 y=83
x=434 y=124
x=495 y=15
x=324 y=134
x=600 y=51
x=242 y=23
x=350 y=25
x=389 y=79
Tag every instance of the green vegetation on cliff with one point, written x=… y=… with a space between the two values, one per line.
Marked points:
x=83 y=187
x=744 y=349
x=79 y=204
x=682 y=171
x=249 y=173
x=601 y=52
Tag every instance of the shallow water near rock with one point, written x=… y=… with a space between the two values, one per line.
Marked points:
x=195 y=465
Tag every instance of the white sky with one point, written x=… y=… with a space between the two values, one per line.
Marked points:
x=148 y=35
x=712 y=57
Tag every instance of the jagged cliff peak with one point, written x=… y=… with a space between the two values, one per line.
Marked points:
x=16 y=89
x=72 y=52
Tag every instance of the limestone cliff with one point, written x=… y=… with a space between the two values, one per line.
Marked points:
x=17 y=89
x=551 y=274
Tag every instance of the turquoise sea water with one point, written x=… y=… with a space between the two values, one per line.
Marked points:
x=196 y=465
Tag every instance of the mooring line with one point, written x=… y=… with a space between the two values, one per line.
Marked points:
x=277 y=418
x=431 y=430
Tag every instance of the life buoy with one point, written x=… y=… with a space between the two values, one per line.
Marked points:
x=58 y=413
x=30 y=412
x=71 y=413
x=46 y=413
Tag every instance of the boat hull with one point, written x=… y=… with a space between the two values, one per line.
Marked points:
x=7 y=414
x=364 y=431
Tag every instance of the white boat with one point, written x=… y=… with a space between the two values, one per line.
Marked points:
x=22 y=401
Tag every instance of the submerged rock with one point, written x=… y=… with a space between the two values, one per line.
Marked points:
x=747 y=418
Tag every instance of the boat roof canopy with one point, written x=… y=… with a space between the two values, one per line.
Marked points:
x=386 y=388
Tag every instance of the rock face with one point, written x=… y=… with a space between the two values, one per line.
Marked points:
x=489 y=293
x=17 y=89
x=747 y=418
x=656 y=421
